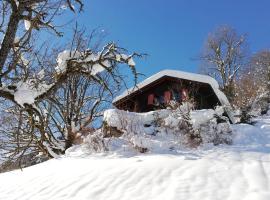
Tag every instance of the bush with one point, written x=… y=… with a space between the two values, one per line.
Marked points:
x=162 y=130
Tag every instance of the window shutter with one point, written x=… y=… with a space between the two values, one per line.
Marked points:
x=167 y=96
x=150 y=99
x=184 y=94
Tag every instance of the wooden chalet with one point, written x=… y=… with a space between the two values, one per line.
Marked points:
x=157 y=91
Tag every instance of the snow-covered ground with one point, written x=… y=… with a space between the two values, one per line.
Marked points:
x=240 y=171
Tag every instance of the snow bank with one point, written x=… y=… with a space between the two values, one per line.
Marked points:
x=238 y=171
x=245 y=134
x=201 y=175
x=257 y=136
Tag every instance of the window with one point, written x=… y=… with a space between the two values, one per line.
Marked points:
x=177 y=95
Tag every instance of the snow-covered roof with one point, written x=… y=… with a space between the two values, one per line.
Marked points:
x=182 y=75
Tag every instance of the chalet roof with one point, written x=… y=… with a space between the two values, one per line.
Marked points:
x=182 y=75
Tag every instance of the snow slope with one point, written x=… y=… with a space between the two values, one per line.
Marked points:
x=240 y=171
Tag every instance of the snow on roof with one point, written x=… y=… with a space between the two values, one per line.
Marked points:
x=187 y=76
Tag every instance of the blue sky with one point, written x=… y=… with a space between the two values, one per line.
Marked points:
x=172 y=32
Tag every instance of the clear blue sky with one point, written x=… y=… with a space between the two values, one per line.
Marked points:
x=172 y=32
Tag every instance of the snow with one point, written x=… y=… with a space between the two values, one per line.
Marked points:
x=62 y=60
x=131 y=62
x=246 y=134
x=51 y=152
x=201 y=116
x=26 y=92
x=90 y=57
x=115 y=117
x=41 y=74
x=240 y=171
x=172 y=73
x=225 y=172
x=91 y=63
x=162 y=130
x=67 y=55
x=183 y=75
x=121 y=119
x=27 y=24
x=17 y=3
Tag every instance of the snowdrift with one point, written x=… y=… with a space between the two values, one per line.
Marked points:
x=237 y=171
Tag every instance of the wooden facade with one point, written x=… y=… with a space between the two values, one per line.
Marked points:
x=157 y=95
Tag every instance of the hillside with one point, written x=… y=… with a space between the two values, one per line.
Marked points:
x=239 y=171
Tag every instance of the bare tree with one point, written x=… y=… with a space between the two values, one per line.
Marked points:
x=223 y=57
x=30 y=78
x=260 y=67
x=254 y=80
x=77 y=110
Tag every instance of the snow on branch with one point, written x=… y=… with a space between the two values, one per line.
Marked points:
x=86 y=63
x=26 y=92
x=91 y=62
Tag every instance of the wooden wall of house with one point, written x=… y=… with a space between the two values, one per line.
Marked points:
x=203 y=95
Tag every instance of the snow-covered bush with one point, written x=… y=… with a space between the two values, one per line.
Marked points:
x=216 y=132
x=200 y=126
x=260 y=105
x=95 y=142
x=160 y=131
